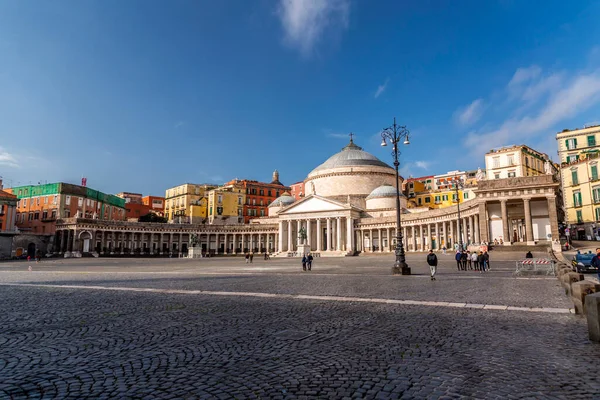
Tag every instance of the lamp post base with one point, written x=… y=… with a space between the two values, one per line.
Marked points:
x=401 y=269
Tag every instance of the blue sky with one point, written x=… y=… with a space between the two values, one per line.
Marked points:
x=142 y=95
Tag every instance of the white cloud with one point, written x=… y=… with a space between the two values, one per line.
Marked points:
x=422 y=164
x=523 y=75
x=470 y=114
x=339 y=135
x=571 y=98
x=8 y=159
x=381 y=88
x=179 y=124
x=305 y=21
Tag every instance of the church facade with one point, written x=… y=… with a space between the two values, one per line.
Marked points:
x=349 y=208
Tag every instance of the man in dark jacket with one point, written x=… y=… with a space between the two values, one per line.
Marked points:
x=458 y=258
x=432 y=261
x=481 y=260
x=309 y=260
x=596 y=261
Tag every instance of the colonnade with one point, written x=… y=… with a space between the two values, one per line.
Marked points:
x=158 y=243
x=327 y=234
x=421 y=237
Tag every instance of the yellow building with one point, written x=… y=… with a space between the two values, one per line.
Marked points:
x=440 y=198
x=578 y=150
x=226 y=204
x=186 y=201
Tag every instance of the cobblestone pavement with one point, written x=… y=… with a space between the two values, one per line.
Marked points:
x=58 y=342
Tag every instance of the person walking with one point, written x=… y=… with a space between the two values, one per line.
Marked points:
x=458 y=258
x=596 y=261
x=432 y=261
x=247 y=257
x=481 y=261
x=309 y=260
x=475 y=261
x=444 y=250
x=486 y=258
x=304 y=263
x=251 y=257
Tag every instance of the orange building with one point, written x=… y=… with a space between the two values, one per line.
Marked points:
x=40 y=206
x=259 y=195
x=297 y=190
x=156 y=204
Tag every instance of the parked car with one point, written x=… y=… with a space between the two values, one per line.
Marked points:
x=583 y=263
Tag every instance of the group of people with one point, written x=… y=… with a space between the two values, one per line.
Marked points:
x=465 y=260
x=307 y=260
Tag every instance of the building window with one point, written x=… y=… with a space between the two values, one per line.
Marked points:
x=527 y=161
x=596 y=194
x=579 y=217
x=53 y=214
x=79 y=201
x=597 y=214
x=277 y=193
x=574 y=179
x=577 y=198
x=67 y=200
x=445 y=197
x=571 y=144
x=220 y=198
x=239 y=200
x=269 y=192
x=427 y=199
x=512 y=173
x=437 y=199
x=30 y=217
x=239 y=212
x=594 y=172
x=46 y=200
x=497 y=175
x=496 y=162
x=253 y=202
x=465 y=195
x=45 y=215
x=262 y=213
x=262 y=203
x=262 y=192
x=511 y=160
x=419 y=201
x=591 y=140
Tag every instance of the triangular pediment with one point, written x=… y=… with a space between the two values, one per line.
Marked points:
x=314 y=203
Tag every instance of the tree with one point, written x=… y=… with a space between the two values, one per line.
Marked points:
x=152 y=217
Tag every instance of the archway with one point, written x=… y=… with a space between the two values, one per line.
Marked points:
x=31 y=249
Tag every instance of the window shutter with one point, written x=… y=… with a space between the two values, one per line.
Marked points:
x=579 y=197
x=567 y=144
x=594 y=172
x=575 y=143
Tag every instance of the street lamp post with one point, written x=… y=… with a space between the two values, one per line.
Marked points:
x=395 y=134
x=458 y=183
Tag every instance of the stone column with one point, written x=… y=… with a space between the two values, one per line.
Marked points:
x=438 y=243
x=371 y=240
x=235 y=248
x=318 y=235
x=289 y=236
x=379 y=240
x=349 y=235
x=429 y=241
x=405 y=237
x=505 y=231
x=553 y=217
x=471 y=229
x=329 y=236
x=451 y=223
x=243 y=242
x=484 y=225
x=465 y=233
x=476 y=237
x=445 y=234
x=101 y=243
x=389 y=239
x=528 y=223
x=308 y=234
x=280 y=238
x=339 y=233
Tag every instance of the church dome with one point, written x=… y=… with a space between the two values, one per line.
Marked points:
x=350 y=156
x=383 y=191
x=352 y=172
x=282 y=201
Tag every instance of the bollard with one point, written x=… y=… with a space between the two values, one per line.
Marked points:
x=592 y=312
x=568 y=279
x=579 y=292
